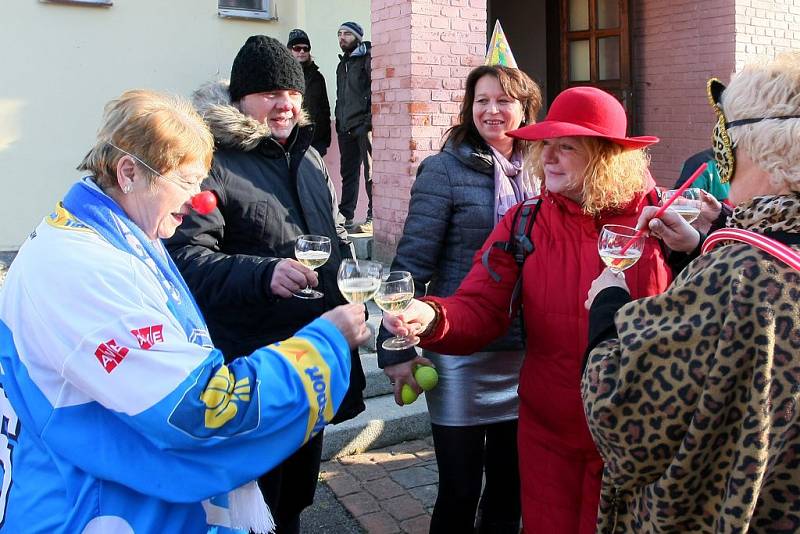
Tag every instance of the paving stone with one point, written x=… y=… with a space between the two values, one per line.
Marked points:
x=379 y=523
x=426 y=455
x=401 y=461
x=343 y=484
x=432 y=466
x=384 y=488
x=425 y=494
x=379 y=456
x=414 y=477
x=366 y=471
x=417 y=525
x=360 y=503
x=412 y=446
x=403 y=507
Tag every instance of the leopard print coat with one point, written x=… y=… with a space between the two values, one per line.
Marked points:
x=694 y=405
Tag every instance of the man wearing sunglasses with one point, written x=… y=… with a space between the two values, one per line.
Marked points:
x=315 y=99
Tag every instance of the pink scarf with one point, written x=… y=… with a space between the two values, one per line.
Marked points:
x=512 y=184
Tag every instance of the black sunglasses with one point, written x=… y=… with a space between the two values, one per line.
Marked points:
x=301 y=48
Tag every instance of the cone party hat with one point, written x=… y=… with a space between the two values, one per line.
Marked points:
x=499 y=53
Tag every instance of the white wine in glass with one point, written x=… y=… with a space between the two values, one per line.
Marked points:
x=394 y=295
x=312 y=251
x=358 y=280
x=615 y=237
x=687 y=205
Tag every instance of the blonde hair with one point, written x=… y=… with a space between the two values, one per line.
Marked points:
x=163 y=130
x=768 y=88
x=613 y=175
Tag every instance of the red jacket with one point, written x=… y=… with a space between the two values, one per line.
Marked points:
x=557 y=276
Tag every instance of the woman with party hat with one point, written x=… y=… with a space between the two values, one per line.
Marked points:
x=593 y=174
x=458 y=197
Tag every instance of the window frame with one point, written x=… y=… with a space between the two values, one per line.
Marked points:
x=89 y=3
x=267 y=12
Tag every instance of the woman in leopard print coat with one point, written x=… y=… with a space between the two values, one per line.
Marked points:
x=692 y=396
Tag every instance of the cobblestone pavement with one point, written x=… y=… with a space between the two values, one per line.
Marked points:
x=389 y=490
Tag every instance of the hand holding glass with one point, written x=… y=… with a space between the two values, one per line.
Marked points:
x=358 y=280
x=312 y=251
x=394 y=295
x=613 y=238
x=687 y=205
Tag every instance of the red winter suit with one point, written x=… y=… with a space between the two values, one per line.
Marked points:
x=559 y=466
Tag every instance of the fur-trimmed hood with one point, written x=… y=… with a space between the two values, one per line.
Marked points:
x=231 y=128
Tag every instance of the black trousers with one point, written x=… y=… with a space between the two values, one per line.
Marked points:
x=355 y=150
x=463 y=454
x=289 y=488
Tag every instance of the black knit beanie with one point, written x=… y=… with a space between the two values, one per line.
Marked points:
x=298 y=36
x=264 y=64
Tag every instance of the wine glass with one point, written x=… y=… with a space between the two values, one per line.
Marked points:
x=358 y=280
x=613 y=238
x=687 y=205
x=312 y=251
x=393 y=297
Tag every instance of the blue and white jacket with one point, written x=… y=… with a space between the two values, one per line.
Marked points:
x=114 y=418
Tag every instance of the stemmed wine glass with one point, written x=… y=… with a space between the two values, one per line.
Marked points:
x=358 y=280
x=393 y=297
x=613 y=238
x=312 y=251
x=688 y=205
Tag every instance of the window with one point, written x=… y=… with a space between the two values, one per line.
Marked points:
x=248 y=9
x=80 y=2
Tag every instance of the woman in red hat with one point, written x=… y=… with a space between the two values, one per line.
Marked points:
x=593 y=174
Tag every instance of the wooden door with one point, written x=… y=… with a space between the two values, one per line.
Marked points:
x=595 y=47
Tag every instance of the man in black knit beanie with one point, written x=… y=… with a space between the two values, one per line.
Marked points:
x=239 y=261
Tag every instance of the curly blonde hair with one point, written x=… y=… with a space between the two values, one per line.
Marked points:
x=768 y=88
x=613 y=176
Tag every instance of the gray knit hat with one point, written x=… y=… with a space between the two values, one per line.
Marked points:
x=354 y=28
x=264 y=64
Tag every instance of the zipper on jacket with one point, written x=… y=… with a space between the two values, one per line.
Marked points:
x=288 y=160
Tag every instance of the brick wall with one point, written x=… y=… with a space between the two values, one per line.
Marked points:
x=422 y=52
x=676 y=47
x=766 y=28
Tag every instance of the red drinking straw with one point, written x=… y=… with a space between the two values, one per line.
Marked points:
x=666 y=204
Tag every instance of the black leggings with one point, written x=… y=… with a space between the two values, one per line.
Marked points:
x=463 y=453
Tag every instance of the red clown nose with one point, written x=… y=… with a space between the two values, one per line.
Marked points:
x=204 y=202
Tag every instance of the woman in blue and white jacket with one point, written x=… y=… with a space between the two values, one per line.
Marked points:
x=121 y=415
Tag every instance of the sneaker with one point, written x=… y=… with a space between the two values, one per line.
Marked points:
x=365 y=227
x=348 y=225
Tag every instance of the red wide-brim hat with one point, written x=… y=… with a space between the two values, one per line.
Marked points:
x=584 y=111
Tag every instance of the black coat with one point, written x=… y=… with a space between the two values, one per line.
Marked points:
x=354 y=91
x=315 y=102
x=450 y=216
x=268 y=195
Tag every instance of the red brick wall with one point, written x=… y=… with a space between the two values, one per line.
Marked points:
x=676 y=47
x=422 y=52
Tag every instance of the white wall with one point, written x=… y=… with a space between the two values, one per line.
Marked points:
x=59 y=64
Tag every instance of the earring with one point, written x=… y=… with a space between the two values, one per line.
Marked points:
x=127 y=188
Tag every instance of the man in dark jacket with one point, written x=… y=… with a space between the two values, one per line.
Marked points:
x=237 y=259
x=315 y=99
x=354 y=119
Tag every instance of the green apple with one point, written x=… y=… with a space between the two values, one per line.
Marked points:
x=408 y=395
x=426 y=376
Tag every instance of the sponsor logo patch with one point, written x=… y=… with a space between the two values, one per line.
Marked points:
x=109 y=354
x=149 y=335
